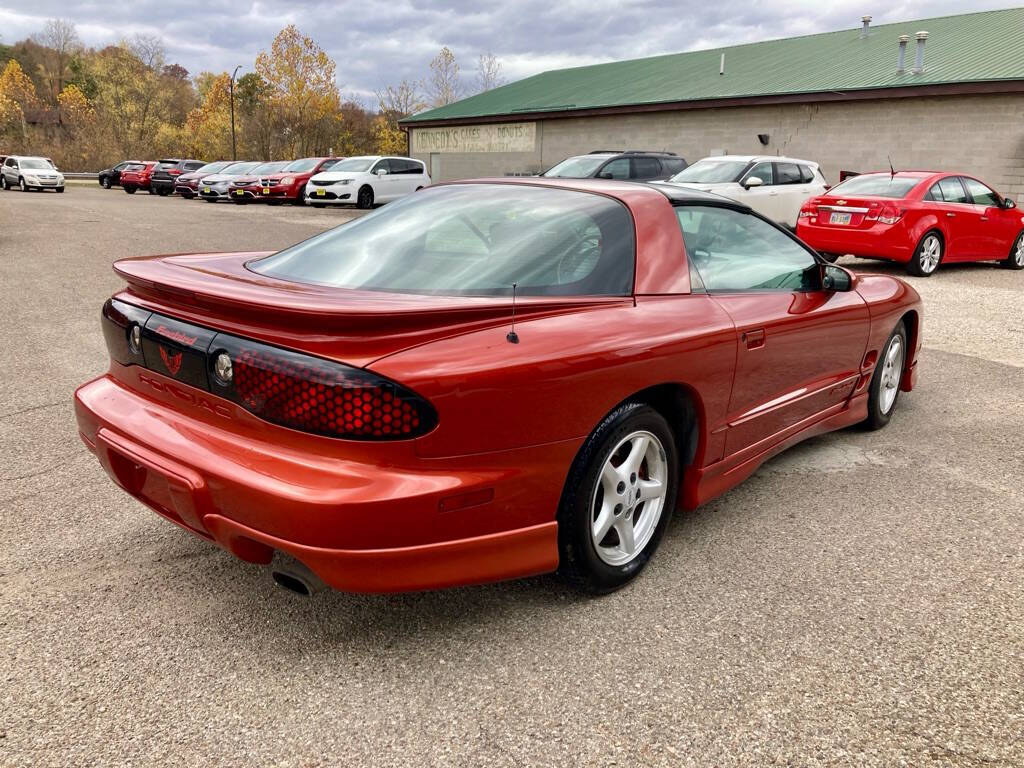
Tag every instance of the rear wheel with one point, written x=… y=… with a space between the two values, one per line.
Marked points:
x=1016 y=258
x=618 y=499
x=105 y=182
x=129 y=189
x=365 y=198
x=927 y=256
x=885 y=382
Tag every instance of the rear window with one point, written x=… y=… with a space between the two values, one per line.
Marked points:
x=875 y=185
x=474 y=240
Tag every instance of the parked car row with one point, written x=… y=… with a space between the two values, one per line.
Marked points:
x=363 y=181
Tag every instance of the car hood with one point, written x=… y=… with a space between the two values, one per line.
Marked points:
x=213 y=178
x=716 y=186
x=337 y=175
x=352 y=326
x=44 y=172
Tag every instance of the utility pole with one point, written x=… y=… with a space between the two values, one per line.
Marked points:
x=231 y=89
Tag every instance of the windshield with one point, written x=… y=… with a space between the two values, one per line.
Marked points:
x=582 y=167
x=273 y=167
x=875 y=185
x=473 y=240
x=212 y=167
x=35 y=163
x=299 y=166
x=712 y=171
x=239 y=168
x=354 y=164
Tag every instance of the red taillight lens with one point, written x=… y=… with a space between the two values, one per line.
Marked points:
x=319 y=396
x=174 y=172
x=887 y=214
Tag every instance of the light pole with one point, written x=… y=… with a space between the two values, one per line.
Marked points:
x=231 y=89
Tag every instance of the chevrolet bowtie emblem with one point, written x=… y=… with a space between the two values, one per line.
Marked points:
x=840 y=202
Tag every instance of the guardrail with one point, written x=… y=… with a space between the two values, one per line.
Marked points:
x=80 y=175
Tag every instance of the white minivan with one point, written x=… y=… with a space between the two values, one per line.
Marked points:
x=775 y=187
x=367 y=181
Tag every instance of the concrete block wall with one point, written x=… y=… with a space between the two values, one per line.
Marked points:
x=978 y=134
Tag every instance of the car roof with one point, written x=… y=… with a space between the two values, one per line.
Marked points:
x=760 y=159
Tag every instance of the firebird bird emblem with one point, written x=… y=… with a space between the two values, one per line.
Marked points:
x=171 y=360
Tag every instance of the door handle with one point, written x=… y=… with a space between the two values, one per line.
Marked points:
x=754 y=339
x=984 y=218
x=950 y=215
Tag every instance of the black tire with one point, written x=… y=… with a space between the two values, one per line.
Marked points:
x=22 y=185
x=163 y=192
x=3 y=182
x=917 y=266
x=187 y=195
x=210 y=199
x=364 y=199
x=128 y=188
x=877 y=416
x=151 y=190
x=1015 y=258
x=60 y=190
x=318 y=205
x=579 y=562
x=105 y=182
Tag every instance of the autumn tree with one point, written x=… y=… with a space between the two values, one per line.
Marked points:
x=254 y=117
x=60 y=45
x=444 y=84
x=208 y=126
x=17 y=95
x=488 y=72
x=302 y=93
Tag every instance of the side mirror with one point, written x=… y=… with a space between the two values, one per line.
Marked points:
x=835 y=278
x=382 y=171
x=752 y=181
x=1007 y=203
x=604 y=176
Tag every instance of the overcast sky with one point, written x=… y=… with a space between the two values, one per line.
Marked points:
x=376 y=42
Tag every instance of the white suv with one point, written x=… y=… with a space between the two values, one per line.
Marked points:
x=367 y=181
x=775 y=187
x=27 y=173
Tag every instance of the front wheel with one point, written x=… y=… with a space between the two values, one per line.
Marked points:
x=885 y=382
x=1016 y=258
x=22 y=185
x=4 y=182
x=365 y=198
x=618 y=499
x=927 y=256
x=60 y=190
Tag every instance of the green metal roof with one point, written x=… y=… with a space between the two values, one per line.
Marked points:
x=973 y=47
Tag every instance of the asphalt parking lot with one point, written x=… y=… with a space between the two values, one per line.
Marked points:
x=859 y=601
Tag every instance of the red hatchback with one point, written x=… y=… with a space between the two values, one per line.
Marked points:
x=485 y=380
x=137 y=176
x=919 y=218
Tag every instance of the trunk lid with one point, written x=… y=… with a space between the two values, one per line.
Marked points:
x=215 y=290
x=851 y=212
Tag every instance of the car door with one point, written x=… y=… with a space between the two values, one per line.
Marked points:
x=10 y=171
x=409 y=174
x=800 y=347
x=646 y=168
x=763 y=198
x=997 y=227
x=793 y=190
x=962 y=221
x=383 y=185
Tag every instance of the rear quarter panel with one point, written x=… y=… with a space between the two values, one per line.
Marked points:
x=567 y=372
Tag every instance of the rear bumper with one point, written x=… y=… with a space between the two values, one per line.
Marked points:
x=393 y=523
x=167 y=184
x=880 y=241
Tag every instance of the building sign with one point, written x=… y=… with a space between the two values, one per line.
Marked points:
x=491 y=137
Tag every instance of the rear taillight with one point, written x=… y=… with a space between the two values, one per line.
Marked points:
x=122 y=330
x=174 y=172
x=315 y=395
x=887 y=214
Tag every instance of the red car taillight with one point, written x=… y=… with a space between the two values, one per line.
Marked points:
x=887 y=214
x=315 y=395
x=808 y=210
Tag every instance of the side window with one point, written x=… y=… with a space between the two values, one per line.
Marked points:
x=673 y=165
x=934 y=194
x=787 y=173
x=952 y=190
x=736 y=252
x=806 y=174
x=385 y=164
x=646 y=167
x=615 y=169
x=417 y=167
x=763 y=171
x=981 y=194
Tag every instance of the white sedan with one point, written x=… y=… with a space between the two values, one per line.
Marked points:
x=775 y=187
x=367 y=181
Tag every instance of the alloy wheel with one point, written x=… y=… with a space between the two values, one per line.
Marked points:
x=931 y=252
x=629 y=498
x=1018 y=253
x=892 y=370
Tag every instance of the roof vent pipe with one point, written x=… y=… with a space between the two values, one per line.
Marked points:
x=901 y=57
x=866 y=21
x=919 y=59
x=721 y=65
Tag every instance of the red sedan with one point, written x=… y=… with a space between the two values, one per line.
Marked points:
x=485 y=380
x=136 y=176
x=285 y=185
x=918 y=218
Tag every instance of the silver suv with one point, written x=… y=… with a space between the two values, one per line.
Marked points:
x=27 y=173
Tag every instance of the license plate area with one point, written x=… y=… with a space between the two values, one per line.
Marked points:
x=839 y=218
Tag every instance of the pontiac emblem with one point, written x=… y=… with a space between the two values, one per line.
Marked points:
x=171 y=359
